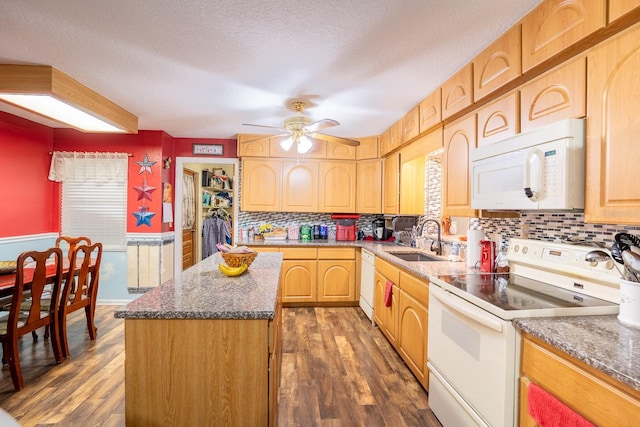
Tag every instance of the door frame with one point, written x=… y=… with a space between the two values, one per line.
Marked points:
x=180 y=162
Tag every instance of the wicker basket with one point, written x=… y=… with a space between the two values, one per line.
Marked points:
x=237 y=259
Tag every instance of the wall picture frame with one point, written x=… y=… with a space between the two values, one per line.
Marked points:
x=208 y=149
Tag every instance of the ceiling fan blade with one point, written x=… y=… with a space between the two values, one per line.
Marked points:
x=337 y=139
x=321 y=124
x=266 y=137
x=264 y=126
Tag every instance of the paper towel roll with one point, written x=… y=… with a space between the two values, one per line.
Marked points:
x=473 y=246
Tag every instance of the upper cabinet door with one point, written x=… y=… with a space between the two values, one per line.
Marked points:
x=457 y=92
x=459 y=139
x=338 y=151
x=555 y=25
x=385 y=143
x=430 y=110
x=337 y=187
x=368 y=148
x=613 y=193
x=253 y=145
x=498 y=64
x=395 y=135
x=299 y=186
x=618 y=8
x=410 y=124
x=261 y=179
x=498 y=120
x=369 y=187
x=557 y=95
x=391 y=185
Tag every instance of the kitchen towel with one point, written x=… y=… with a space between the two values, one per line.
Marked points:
x=473 y=247
x=548 y=411
x=388 y=293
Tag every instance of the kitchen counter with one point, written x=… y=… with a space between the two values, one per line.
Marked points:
x=599 y=341
x=203 y=292
x=423 y=269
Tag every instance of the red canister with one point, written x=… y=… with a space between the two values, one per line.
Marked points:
x=487 y=256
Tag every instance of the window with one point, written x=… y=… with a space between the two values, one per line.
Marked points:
x=96 y=210
x=94 y=196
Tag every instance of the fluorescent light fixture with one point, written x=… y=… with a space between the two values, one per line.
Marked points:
x=48 y=92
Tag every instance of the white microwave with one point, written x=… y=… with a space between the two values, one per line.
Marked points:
x=541 y=169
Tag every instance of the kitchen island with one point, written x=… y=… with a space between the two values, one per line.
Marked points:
x=203 y=348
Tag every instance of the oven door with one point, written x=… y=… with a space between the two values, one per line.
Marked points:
x=474 y=356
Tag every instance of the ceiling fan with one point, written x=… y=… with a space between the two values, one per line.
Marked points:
x=301 y=130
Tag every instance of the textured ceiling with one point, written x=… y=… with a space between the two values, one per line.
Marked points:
x=201 y=68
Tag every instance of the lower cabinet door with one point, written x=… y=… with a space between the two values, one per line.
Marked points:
x=299 y=281
x=412 y=336
x=336 y=280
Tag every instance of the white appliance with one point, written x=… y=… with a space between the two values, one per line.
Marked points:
x=474 y=349
x=542 y=169
x=367 y=273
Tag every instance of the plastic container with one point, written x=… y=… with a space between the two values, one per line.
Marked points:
x=293 y=232
x=629 y=303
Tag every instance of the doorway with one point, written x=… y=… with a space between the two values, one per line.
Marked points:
x=196 y=164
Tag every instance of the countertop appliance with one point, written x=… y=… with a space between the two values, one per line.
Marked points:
x=474 y=349
x=379 y=229
x=367 y=282
x=345 y=226
x=542 y=169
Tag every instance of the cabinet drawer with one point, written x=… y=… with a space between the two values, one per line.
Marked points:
x=583 y=389
x=299 y=253
x=417 y=288
x=336 y=253
x=265 y=248
x=388 y=270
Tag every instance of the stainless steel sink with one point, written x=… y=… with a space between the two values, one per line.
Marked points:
x=414 y=256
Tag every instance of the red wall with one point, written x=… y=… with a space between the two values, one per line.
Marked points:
x=25 y=192
x=29 y=202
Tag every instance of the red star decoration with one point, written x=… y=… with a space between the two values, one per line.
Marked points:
x=144 y=191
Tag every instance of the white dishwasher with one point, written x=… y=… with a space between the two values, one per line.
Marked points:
x=367 y=273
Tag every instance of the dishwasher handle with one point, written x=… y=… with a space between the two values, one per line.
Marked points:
x=464 y=308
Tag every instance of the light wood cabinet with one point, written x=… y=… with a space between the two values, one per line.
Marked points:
x=557 y=95
x=299 y=275
x=337 y=191
x=385 y=317
x=411 y=124
x=413 y=172
x=619 y=8
x=369 y=187
x=395 y=135
x=498 y=120
x=459 y=138
x=261 y=184
x=336 y=275
x=457 y=91
x=412 y=325
x=299 y=186
x=595 y=396
x=430 y=110
x=498 y=64
x=556 y=25
x=385 y=144
x=368 y=148
x=338 y=151
x=612 y=172
x=253 y=145
x=391 y=185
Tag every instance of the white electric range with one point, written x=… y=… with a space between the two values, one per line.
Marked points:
x=473 y=353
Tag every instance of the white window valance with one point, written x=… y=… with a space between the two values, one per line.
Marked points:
x=77 y=166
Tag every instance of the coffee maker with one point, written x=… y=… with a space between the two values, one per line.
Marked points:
x=378 y=229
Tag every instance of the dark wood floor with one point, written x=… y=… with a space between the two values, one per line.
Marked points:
x=336 y=371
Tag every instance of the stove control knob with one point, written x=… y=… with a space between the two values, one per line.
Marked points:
x=516 y=248
x=608 y=265
x=593 y=263
x=525 y=250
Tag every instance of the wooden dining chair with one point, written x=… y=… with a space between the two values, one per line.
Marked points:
x=70 y=243
x=81 y=292
x=30 y=313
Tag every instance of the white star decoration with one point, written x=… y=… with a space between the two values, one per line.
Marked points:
x=145 y=165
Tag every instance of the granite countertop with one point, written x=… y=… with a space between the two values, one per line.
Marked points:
x=203 y=292
x=601 y=342
x=422 y=269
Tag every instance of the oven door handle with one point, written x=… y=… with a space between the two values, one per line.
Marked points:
x=460 y=306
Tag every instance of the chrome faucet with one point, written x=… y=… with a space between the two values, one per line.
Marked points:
x=435 y=246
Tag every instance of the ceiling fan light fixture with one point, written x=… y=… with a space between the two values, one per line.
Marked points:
x=304 y=144
x=286 y=143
